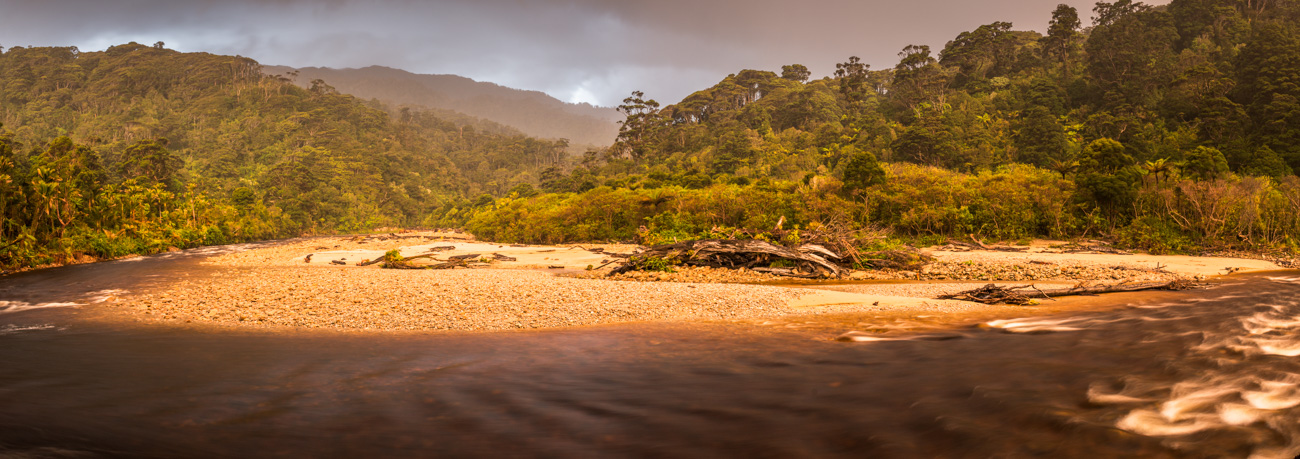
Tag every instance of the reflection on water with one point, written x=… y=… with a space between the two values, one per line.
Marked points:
x=1207 y=374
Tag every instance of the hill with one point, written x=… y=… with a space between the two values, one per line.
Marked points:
x=532 y=112
x=138 y=148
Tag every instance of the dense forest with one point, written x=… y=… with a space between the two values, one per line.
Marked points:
x=1170 y=128
x=139 y=149
x=532 y=112
x=1173 y=129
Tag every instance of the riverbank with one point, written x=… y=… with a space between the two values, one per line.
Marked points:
x=318 y=283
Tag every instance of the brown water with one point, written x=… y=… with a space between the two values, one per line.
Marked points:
x=1205 y=374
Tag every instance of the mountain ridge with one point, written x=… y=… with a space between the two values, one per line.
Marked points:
x=532 y=112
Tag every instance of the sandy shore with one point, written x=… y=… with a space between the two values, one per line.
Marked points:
x=547 y=287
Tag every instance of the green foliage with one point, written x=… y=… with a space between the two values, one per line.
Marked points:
x=1205 y=163
x=1155 y=235
x=1107 y=178
x=652 y=263
x=862 y=171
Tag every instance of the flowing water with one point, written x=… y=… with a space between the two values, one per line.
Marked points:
x=1211 y=373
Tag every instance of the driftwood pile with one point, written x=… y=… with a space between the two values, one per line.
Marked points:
x=805 y=261
x=1027 y=294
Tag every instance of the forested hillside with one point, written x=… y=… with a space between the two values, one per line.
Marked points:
x=140 y=148
x=1168 y=128
x=1172 y=128
x=531 y=112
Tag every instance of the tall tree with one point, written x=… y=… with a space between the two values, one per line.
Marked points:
x=795 y=72
x=853 y=80
x=987 y=51
x=918 y=78
x=636 y=133
x=1061 y=43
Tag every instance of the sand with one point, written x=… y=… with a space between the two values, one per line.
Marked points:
x=278 y=287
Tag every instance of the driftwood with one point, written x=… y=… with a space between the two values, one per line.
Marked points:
x=468 y=256
x=606 y=263
x=446 y=265
x=902 y=259
x=338 y=262
x=786 y=272
x=980 y=245
x=1026 y=294
x=809 y=260
x=308 y=258
x=399 y=262
x=1097 y=248
x=500 y=257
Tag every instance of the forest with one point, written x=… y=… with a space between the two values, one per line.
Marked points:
x=1170 y=128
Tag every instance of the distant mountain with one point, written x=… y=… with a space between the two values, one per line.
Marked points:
x=532 y=112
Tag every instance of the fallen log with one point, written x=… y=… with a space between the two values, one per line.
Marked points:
x=786 y=272
x=813 y=260
x=469 y=256
x=1026 y=294
x=606 y=263
x=982 y=246
x=394 y=260
x=500 y=257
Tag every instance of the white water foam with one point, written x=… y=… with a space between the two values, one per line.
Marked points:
x=105 y=295
x=9 y=307
x=11 y=329
x=858 y=336
x=1239 y=393
x=1152 y=423
x=1032 y=325
x=1042 y=325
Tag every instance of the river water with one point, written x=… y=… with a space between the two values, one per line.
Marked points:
x=1210 y=373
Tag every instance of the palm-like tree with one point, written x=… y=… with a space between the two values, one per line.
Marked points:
x=1159 y=168
x=1063 y=166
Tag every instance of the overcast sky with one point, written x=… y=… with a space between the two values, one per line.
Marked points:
x=594 y=51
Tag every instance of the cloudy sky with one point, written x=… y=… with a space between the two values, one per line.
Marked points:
x=594 y=51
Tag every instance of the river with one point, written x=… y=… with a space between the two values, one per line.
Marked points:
x=1209 y=373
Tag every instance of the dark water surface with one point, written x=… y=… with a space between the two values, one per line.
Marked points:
x=1211 y=373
